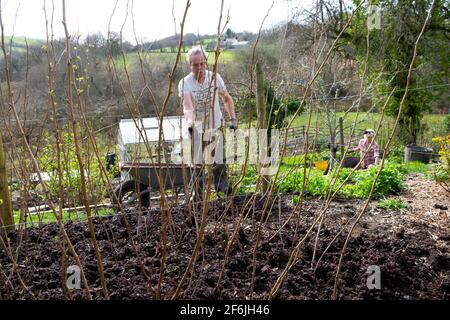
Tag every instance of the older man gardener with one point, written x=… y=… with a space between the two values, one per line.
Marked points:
x=199 y=92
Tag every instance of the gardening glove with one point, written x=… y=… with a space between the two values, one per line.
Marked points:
x=233 y=124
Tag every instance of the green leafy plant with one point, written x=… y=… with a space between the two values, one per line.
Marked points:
x=392 y=204
x=359 y=185
x=290 y=181
x=14 y=186
x=248 y=181
x=293 y=182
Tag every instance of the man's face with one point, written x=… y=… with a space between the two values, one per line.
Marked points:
x=198 y=65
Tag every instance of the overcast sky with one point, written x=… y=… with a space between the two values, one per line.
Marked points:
x=153 y=19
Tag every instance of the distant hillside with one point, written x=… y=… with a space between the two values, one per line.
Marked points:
x=169 y=44
x=19 y=44
x=18 y=48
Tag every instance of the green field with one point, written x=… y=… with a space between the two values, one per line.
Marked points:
x=132 y=59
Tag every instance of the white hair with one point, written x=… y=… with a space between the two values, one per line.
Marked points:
x=196 y=50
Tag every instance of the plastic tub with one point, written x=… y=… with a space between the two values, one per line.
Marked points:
x=416 y=153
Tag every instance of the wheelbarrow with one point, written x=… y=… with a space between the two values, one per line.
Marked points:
x=147 y=177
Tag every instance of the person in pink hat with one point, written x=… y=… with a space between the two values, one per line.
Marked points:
x=368 y=149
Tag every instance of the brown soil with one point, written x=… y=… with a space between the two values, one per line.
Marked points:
x=411 y=248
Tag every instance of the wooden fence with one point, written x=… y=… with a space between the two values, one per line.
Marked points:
x=318 y=140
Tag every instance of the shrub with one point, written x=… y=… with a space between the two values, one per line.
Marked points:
x=440 y=172
x=447 y=122
x=291 y=105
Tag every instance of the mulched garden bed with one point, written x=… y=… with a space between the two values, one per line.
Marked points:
x=413 y=256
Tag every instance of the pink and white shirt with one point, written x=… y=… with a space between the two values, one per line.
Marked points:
x=368 y=155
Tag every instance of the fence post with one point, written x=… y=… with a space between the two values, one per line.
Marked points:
x=6 y=216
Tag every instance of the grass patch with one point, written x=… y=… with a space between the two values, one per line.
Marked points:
x=414 y=167
x=49 y=217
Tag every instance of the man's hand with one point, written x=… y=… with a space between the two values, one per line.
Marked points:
x=233 y=124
